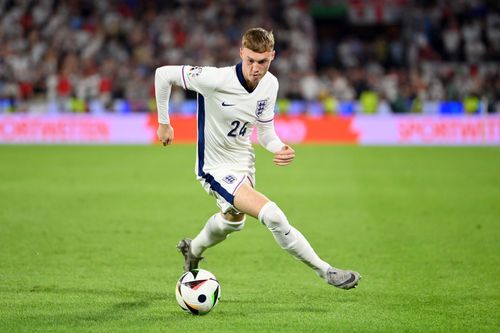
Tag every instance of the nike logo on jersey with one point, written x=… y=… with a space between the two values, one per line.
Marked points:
x=226 y=104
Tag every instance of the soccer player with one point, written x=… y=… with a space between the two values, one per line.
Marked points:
x=231 y=102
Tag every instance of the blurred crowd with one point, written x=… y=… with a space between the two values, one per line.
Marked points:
x=99 y=56
x=440 y=51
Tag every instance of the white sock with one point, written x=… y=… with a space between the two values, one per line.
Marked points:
x=290 y=239
x=303 y=251
x=215 y=231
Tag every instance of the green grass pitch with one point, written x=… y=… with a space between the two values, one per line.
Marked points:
x=88 y=235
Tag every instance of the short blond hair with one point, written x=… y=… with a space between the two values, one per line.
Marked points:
x=258 y=40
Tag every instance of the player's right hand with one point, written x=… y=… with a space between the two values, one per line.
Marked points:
x=165 y=134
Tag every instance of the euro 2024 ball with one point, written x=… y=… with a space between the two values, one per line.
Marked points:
x=197 y=291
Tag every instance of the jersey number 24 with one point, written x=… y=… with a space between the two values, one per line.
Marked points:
x=235 y=126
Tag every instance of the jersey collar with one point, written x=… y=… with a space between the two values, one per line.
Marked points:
x=241 y=78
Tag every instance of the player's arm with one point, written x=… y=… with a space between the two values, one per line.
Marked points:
x=165 y=77
x=283 y=154
x=200 y=79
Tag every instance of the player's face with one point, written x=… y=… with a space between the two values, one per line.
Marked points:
x=255 y=65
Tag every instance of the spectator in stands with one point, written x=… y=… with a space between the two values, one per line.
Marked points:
x=100 y=52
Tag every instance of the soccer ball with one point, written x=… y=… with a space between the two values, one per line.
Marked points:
x=197 y=291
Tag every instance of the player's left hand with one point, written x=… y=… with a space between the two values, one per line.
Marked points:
x=285 y=156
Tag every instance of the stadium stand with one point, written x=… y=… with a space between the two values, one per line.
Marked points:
x=100 y=56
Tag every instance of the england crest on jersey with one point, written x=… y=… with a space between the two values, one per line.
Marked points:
x=261 y=106
x=194 y=71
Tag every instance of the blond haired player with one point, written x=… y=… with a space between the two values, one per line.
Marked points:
x=231 y=102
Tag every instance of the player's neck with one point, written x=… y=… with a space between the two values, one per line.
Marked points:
x=251 y=85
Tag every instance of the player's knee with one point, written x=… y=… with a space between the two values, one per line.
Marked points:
x=274 y=218
x=231 y=226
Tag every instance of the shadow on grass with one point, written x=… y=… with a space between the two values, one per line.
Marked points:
x=82 y=307
x=98 y=292
x=92 y=307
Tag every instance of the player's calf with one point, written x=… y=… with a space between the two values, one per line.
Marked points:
x=215 y=231
x=290 y=239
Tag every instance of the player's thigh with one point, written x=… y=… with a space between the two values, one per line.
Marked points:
x=249 y=201
x=223 y=184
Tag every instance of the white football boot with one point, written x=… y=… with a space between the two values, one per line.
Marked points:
x=342 y=279
x=190 y=261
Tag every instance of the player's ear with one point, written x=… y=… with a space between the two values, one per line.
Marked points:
x=241 y=53
x=272 y=55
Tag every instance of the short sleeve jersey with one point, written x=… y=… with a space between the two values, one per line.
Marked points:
x=227 y=113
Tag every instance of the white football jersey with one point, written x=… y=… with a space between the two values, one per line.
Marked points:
x=227 y=113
